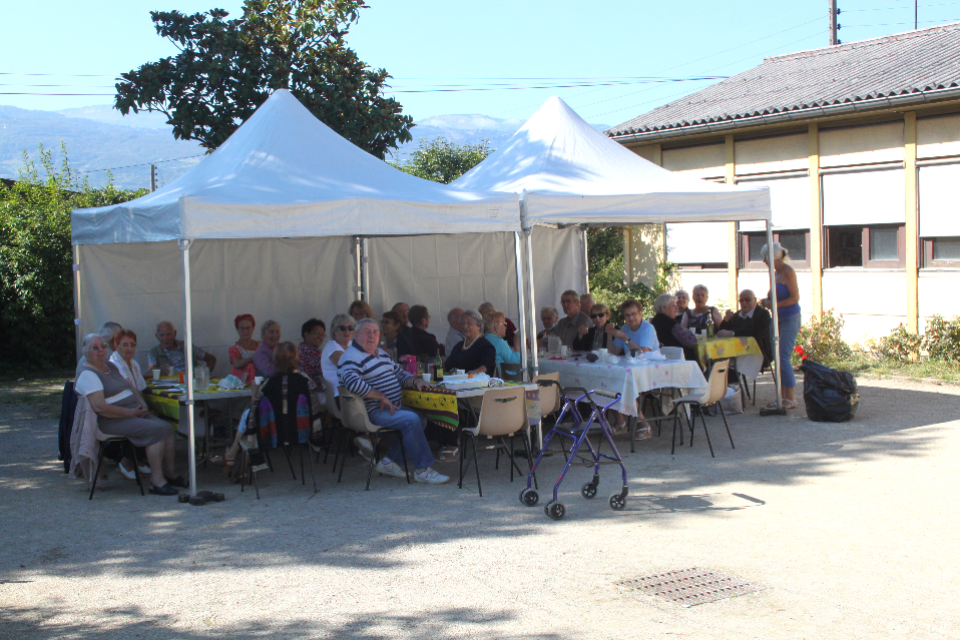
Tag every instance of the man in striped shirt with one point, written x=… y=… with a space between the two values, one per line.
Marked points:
x=367 y=370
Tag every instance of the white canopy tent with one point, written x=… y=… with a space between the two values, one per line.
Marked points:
x=272 y=215
x=570 y=173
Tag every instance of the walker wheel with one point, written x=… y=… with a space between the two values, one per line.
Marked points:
x=555 y=510
x=617 y=502
x=529 y=497
x=588 y=490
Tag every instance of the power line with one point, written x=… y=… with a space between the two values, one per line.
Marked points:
x=142 y=164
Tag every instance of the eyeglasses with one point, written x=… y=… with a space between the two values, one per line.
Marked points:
x=345 y=328
x=597 y=315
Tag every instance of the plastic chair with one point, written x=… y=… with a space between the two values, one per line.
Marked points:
x=503 y=414
x=354 y=415
x=336 y=426
x=551 y=394
x=716 y=390
x=672 y=353
x=104 y=439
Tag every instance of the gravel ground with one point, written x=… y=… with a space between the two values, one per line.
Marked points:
x=851 y=531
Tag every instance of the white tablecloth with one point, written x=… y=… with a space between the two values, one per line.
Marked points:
x=628 y=379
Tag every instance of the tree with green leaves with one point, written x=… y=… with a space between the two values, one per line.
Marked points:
x=36 y=277
x=228 y=68
x=443 y=161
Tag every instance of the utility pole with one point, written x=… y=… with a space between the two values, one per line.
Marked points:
x=153 y=177
x=832 y=21
x=914 y=15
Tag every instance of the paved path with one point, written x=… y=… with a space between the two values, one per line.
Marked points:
x=852 y=530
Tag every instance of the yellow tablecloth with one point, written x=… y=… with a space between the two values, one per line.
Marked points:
x=164 y=400
x=722 y=348
x=441 y=408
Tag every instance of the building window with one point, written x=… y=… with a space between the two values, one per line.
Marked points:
x=797 y=244
x=879 y=246
x=941 y=252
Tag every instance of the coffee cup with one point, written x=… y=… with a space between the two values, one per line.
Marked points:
x=258 y=380
x=603 y=354
x=156 y=375
x=563 y=350
x=427 y=377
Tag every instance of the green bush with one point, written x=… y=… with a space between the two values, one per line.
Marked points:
x=819 y=339
x=941 y=339
x=900 y=345
x=607 y=274
x=36 y=277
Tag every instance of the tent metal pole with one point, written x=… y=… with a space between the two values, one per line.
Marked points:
x=76 y=300
x=188 y=358
x=532 y=318
x=365 y=270
x=776 y=320
x=357 y=281
x=586 y=259
x=521 y=308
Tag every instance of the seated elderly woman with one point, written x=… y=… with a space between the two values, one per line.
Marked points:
x=124 y=345
x=263 y=356
x=107 y=330
x=475 y=354
x=360 y=309
x=495 y=327
x=121 y=411
x=422 y=341
x=286 y=362
x=598 y=336
x=669 y=331
x=486 y=308
x=696 y=319
x=313 y=332
x=241 y=352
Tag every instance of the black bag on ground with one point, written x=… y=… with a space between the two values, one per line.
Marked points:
x=830 y=395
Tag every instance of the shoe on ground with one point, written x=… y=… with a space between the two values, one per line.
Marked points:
x=165 y=490
x=643 y=433
x=126 y=473
x=364 y=446
x=388 y=467
x=429 y=476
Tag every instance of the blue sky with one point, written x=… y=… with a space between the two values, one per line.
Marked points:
x=431 y=45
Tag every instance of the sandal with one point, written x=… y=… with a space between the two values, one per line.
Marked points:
x=644 y=431
x=448 y=454
x=222 y=461
x=787 y=404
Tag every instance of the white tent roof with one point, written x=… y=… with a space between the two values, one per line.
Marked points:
x=284 y=173
x=572 y=173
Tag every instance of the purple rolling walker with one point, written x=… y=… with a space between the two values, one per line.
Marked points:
x=578 y=430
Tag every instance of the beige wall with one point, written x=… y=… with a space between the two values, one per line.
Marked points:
x=861 y=145
x=704 y=161
x=767 y=155
x=937 y=293
x=872 y=301
x=938 y=136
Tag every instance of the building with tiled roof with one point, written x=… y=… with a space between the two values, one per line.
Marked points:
x=860 y=146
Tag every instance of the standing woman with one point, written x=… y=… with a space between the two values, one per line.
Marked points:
x=241 y=352
x=788 y=313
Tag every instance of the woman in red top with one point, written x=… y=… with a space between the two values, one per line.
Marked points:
x=241 y=352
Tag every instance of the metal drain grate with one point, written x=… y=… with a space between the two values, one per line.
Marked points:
x=690 y=587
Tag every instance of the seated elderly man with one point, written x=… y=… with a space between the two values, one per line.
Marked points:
x=454 y=337
x=751 y=321
x=670 y=332
x=549 y=317
x=366 y=370
x=168 y=355
x=636 y=334
x=575 y=323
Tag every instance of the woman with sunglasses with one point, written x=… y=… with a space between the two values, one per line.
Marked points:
x=597 y=336
x=342 y=327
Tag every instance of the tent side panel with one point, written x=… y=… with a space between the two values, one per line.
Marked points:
x=136 y=285
x=287 y=280
x=443 y=272
x=557 y=266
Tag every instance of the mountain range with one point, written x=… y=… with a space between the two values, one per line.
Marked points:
x=98 y=137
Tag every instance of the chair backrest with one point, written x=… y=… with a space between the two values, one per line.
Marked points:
x=286 y=392
x=549 y=394
x=332 y=408
x=672 y=353
x=511 y=372
x=503 y=412
x=353 y=412
x=717 y=384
